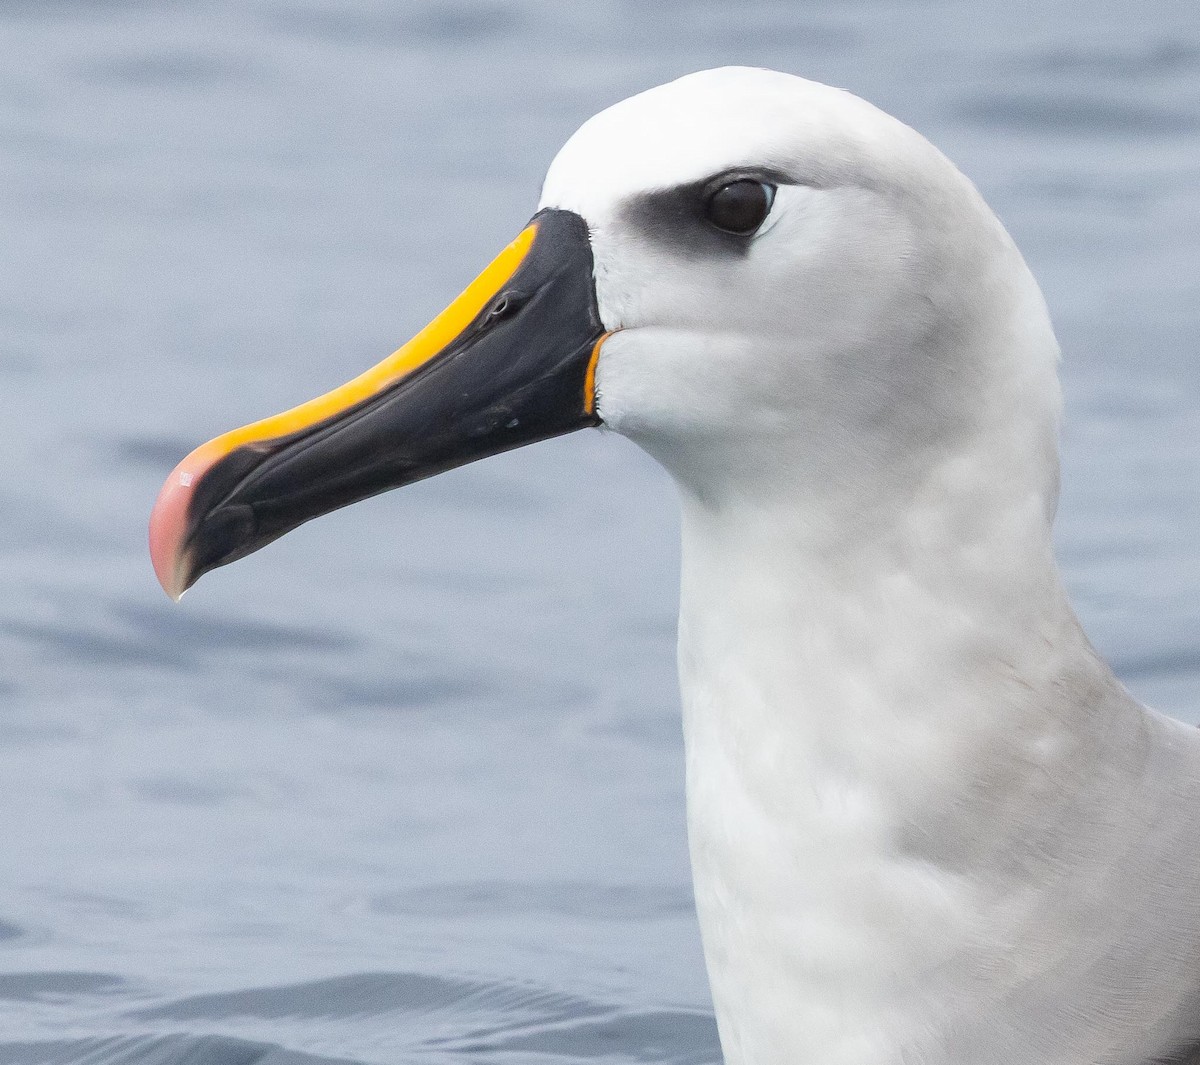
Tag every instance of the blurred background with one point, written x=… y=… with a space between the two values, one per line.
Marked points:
x=407 y=786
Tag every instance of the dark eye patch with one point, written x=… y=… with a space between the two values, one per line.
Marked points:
x=716 y=217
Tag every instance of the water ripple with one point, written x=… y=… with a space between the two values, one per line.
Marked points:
x=604 y=902
x=371 y=994
x=459 y=1016
x=158 y=1050
x=39 y=985
x=1059 y=115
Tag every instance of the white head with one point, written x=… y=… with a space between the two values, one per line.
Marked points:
x=879 y=320
x=871 y=343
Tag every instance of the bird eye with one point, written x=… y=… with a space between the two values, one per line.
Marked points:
x=740 y=207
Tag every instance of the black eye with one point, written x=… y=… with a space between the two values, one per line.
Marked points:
x=740 y=207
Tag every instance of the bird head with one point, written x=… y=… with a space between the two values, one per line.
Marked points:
x=770 y=285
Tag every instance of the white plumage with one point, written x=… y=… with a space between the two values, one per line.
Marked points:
x=927 y=824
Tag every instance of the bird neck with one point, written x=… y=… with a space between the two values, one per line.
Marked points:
x=866 y=719
x=874 y=608
x=889 y=658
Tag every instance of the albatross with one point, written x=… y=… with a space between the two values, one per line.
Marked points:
x=926 y=822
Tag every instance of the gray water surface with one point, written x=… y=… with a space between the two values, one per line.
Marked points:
x=407 y=786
